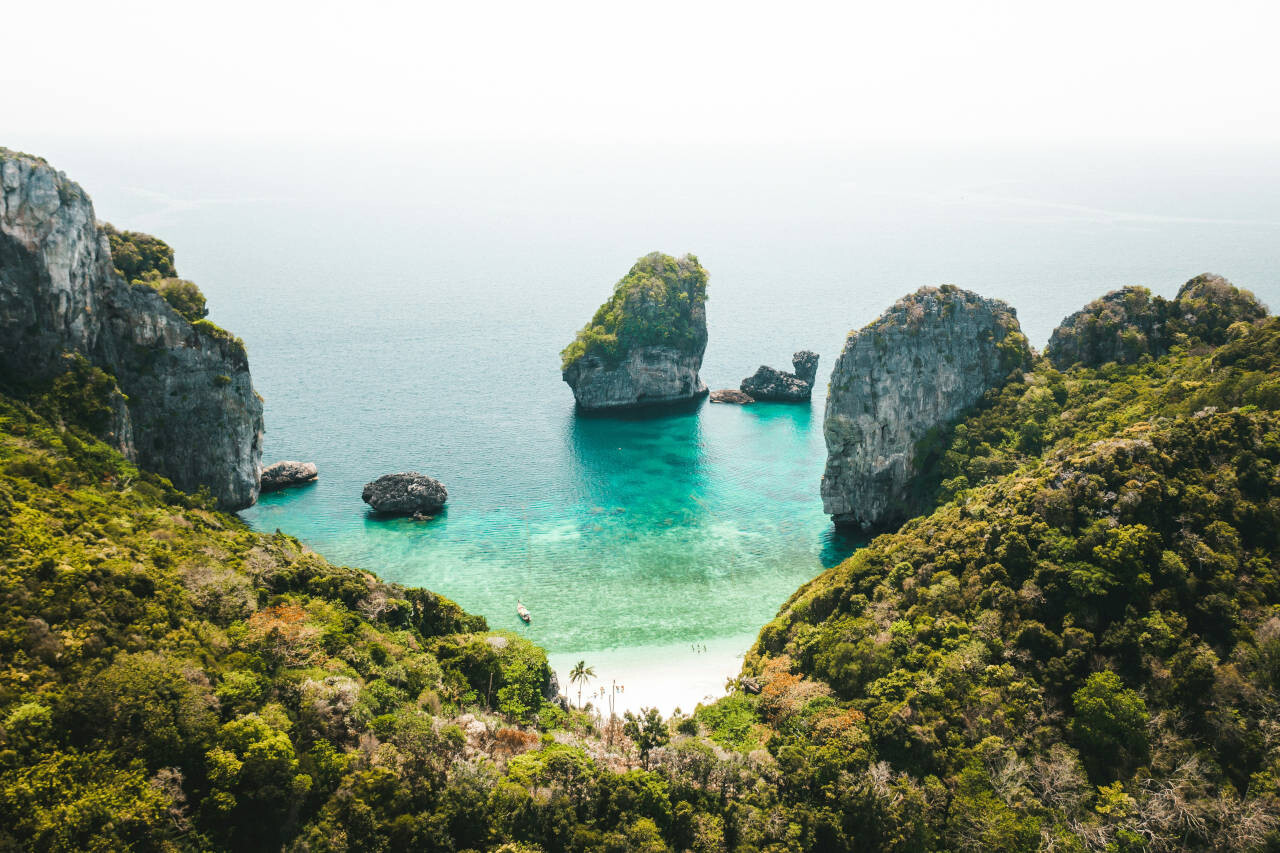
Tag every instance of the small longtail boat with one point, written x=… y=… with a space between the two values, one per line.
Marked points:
x=523 y=612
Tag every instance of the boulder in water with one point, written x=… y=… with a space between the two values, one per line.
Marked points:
x=283 y=475
x=731 y=395
x=769 y=383
x=408 y=493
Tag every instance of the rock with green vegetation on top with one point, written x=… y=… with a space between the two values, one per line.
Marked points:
x=1127 y=324
x=644 y=346
x=920 y=365
x=179 y=387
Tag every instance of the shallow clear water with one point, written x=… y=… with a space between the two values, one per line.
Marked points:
x=406 y=313
x=613 y=532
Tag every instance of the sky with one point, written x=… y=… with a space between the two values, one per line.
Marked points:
x=652 y=73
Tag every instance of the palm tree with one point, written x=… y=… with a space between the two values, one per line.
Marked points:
x=580 y=675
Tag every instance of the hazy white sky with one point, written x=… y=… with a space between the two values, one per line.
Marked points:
x=651 y=72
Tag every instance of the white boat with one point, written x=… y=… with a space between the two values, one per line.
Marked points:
x=523 y=612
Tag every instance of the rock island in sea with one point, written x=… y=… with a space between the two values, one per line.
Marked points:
x=644 y=345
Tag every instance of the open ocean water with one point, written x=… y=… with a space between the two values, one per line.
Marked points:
x=405 y=311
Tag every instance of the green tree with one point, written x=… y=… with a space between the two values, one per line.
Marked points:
x=71 y=801
x=1110 y=725
x=580 y=675
x=85 y=396
x=151 y=706
x=254 y=777
x=648 y=730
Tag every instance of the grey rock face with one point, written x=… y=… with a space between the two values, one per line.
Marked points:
x=731 y=395
x=192 y=414
x=407 y=493
x=805 y=364
x=282 y=475
x=551 y=690
x=647 y=376
x=771 y=384
x=921 y=364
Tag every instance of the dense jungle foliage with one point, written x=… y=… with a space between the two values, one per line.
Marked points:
x=1127 y=324
x=167 y=675
x=1079 y=649
x=658 y=303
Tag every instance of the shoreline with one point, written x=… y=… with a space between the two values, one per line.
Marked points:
x=665 y=677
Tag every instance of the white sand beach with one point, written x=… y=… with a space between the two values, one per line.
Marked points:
x=663 y=677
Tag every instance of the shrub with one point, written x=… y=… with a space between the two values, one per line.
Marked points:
x=184 y=297
x=136 y=255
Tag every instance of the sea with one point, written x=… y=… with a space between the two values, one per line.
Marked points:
x=404 y=307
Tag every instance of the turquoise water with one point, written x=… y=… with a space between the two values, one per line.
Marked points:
x=405 y=310
x=631 y=532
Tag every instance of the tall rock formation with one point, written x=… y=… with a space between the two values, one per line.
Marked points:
x=1127 y=324
x=186 y=407
x=920 y=365
x=644 y=346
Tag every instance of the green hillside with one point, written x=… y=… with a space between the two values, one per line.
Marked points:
x=169 y=676
x=1079 y=649
x=1082 y=645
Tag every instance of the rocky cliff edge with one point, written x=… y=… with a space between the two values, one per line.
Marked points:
x=186 y=406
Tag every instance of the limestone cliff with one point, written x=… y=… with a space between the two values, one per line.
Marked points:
x=644 y=346
x=186 y=408
x=1127 y=324
x=920 y=365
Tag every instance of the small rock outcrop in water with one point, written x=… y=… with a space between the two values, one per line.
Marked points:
x=282 y=475
x=731 y=395
x=1127 y=324
x=921 y=364
x=408 y=493
x=184 y=404
x=771 y=384
x=644 y=346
